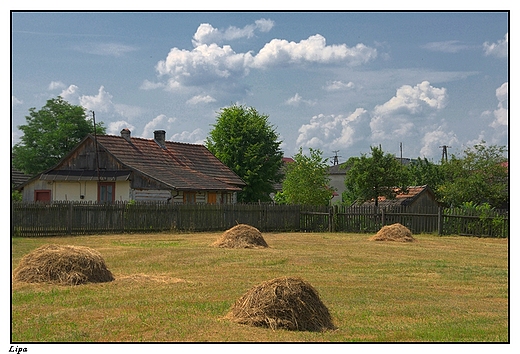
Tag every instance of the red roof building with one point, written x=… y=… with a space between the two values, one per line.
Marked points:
x=110 y=168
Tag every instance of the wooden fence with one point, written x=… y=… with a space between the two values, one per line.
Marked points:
x=72 y=218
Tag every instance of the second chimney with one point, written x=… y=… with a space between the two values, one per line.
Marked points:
x=125 y=133
x=160 y=138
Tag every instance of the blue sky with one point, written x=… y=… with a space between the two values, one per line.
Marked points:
x=334 y=81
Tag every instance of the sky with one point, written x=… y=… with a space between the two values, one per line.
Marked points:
x=339 y=81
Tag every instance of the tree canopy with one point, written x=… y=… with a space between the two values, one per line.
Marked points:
x=247 y=143
x=51 y=133
x=370 y=177
x=306 y=180
x=480 y=176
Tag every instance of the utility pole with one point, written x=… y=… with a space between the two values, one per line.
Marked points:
x=444 y=152
x=336 y=160
x=401 y=149
x=96 y=147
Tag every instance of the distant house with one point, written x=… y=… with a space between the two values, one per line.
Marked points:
x=415 y=198
x=113 y=168
x=338 y=172
x=337 y=175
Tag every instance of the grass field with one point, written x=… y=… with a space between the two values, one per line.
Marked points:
x=177 y=288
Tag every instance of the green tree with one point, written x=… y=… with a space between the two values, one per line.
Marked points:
x=306 y=180
x=51 y=133
x=423 y=172
x=480 y=176
x=370 y=177
x=246 y=142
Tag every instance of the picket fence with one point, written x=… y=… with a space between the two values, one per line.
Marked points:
x=77 y=218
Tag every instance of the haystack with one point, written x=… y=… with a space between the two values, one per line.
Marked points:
x=65 y=265
x=394 y=232
x=241 y=236
x=282 y=303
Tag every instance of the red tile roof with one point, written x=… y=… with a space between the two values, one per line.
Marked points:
x=181 y=166
x=403 y=198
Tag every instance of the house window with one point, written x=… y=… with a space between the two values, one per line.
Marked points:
x=212 y=198
x=106 y=192
x=189 y=197
x=42 y=195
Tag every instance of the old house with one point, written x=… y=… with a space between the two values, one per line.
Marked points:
x=110 y=168
x=416 y=197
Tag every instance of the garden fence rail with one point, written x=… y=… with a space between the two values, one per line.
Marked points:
x=79 y=218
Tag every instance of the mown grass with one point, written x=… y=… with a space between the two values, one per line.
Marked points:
x=177 y=288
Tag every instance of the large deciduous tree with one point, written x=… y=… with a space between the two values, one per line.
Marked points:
x=51 y=133
x=246 y=142
x=306 y=180
x=480 y=177
x=370 y=177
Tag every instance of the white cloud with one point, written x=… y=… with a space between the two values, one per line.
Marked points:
x=334 y=131
x=297 y=99
x=148 y=85
x=446 y=47
x=70 y=93
x=396 y=118
x=502 y=112
x=204 y=64
x=432 y=140
x=161 y=122
x=102 y=102
x=195 y=137
x=499 y=49
x=314 y=50
x=207 y=34
x=105 y=49
x=128 y=111
x=200 y=99
x=55 y=85
x=114 y=128
x=338 y=85
x=209 y=62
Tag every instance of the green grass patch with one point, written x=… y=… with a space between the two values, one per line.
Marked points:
x=177 y=288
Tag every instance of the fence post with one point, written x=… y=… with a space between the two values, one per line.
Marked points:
x=439 y=220
x=382 y=217
x=69 y=226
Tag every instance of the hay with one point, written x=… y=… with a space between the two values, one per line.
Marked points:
x=241 y=236
x=394 y=232
x=65 y=265
x=282 y=303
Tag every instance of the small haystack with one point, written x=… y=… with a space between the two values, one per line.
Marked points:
x=394 y=232
x=65 y=265
x=282 y=303
x=241 y=236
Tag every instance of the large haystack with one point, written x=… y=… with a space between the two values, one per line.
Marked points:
x=394 y=232
x=241 y=236
x=65 y=265
x=282 y=303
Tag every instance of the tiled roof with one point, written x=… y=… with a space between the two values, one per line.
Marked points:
x=401 y=199
x=179 y=165
x=18 y=177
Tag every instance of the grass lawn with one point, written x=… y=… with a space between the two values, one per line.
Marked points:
x=177 y=288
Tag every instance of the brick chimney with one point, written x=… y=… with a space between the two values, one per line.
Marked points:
x=125 y=133
x=160 y=138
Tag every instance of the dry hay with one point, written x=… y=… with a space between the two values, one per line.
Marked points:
x=241 y=236
x=282 y=303
x=147 y=278
x=65 y=265
x=394 y=232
